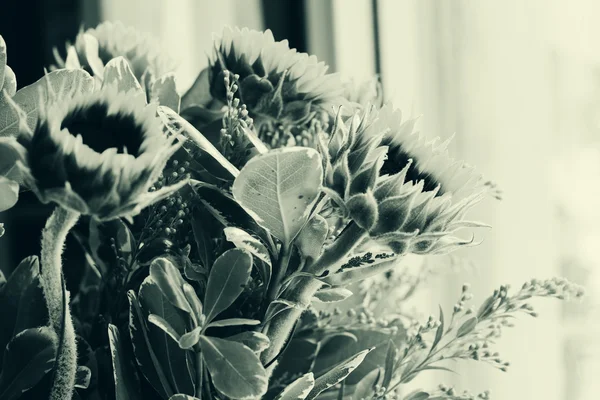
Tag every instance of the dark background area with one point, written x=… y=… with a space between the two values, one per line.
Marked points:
x=31 y=29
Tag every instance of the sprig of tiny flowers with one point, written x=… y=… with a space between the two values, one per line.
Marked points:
x=469 y=333
x=442 y=392
x=233 y=142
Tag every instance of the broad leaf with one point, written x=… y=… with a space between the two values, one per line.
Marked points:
x=2 y=60
x=235 y=370
x=164 y=90
x=126 y=386
x=64 y=84
x=117 y=72
x=9 y=193
x=299 y=389
x=228 y=275
x=244 y=241
x=190 y=339
x=199 y=93
x=180 y=396
x=164 y=325
x=25 y=275
x=256 y=341
x=10 y=81
x=332 y=295
x=169 y=280
x=279 y=188
x=337 y=374
x=27 y=358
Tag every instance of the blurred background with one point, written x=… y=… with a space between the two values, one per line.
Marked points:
x=518 y=83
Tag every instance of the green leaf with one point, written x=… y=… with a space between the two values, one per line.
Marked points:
x=189 y=339
x=64 y=83
x=365 y=388
x=256 y=341
x=83 y=377
x=337 y=374
x=390 y=363
x=169 y=280
x=332 y=295
x=164 y=90
x=355 y=274
x=299 y=389
x=10 y=81
x=203 y=150
x=418 y=395
x=279 y=188
x=27 y=358
x=467 y=327
x=150 y=365
x=194 y=301
x=228 y=275
x=126 y=386
x=117 y=72
x=199 y=93
x=181 y=396
x=312 y=236
x=235 y=370
x=2 y=60
x=165 y=326
x=233 y=322
x=9 y=193
x=439 y=332
x=244 y=241
x=11 y=296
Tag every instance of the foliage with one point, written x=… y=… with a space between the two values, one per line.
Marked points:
x=234 y=269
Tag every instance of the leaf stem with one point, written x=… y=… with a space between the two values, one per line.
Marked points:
x=54 y=235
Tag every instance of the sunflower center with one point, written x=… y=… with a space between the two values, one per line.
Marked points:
x=101 y=131
x=397 y=160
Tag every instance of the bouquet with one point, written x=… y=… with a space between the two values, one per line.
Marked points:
x=243 y=240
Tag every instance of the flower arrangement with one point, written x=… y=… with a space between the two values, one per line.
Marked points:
x=243 y=240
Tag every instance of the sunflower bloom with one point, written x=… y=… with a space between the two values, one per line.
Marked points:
x=283 y=89
x=95 y=47
x=97 y=154
x=408 y=193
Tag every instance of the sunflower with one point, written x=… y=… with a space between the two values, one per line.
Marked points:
x=283 y=89
x=407 y=192
x=96 y=154
x=95 y=47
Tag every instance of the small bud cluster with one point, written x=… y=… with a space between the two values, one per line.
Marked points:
x=168 y=217
x=233 y=141
x=448 y=392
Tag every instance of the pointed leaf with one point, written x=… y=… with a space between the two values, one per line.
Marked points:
x=228 y=275
x=117 y=72
x=181 y=396
x=165 y=326
x=27 y=358
x=164 y=90
x=418 y=395
x=312 y=236
x=337 y=374
x=299 y=389
x=332 y=295
x=244 y=241
x=125 y=383
x=235 y=370
x=10 y=81
x=169 y=280
x=279 y=189
x=467 y=327
x=256 y=341
x=233 y=322
x=2 y=60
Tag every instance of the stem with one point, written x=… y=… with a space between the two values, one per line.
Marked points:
x=282 y=266
x=280 y=327
x=54 y=235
